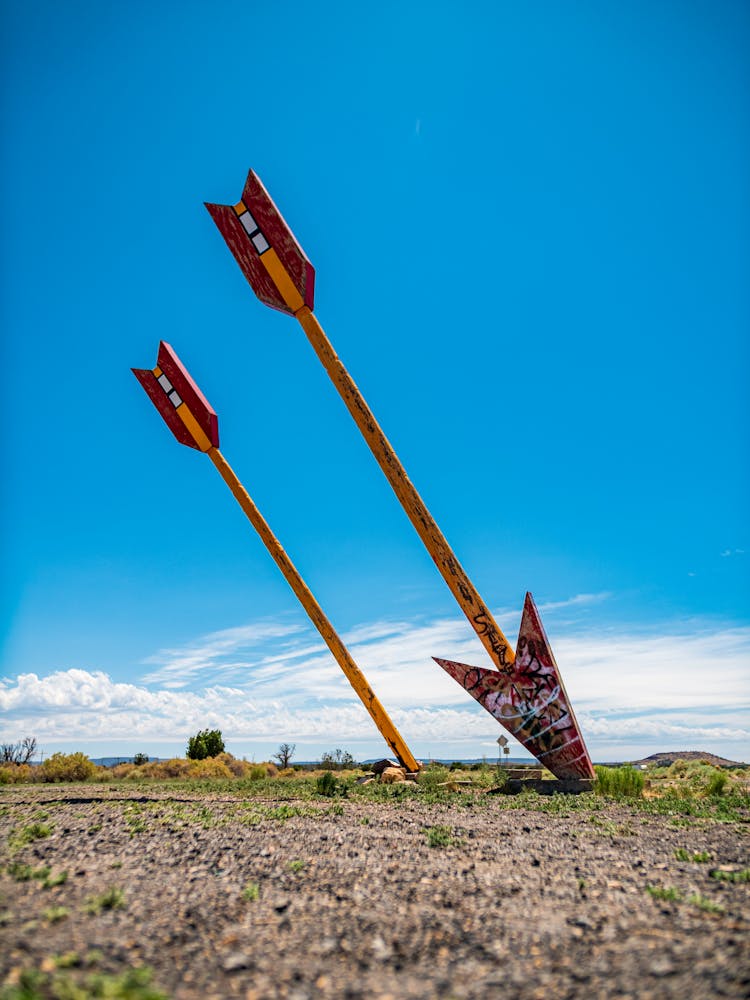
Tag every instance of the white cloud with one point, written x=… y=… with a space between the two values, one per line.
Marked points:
x=178 y=667
x=580 y=600
x=683 y=685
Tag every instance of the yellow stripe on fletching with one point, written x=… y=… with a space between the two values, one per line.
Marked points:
x=194 y=427
x=280 y=276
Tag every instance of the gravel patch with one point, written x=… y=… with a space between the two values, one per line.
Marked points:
x=348 y=899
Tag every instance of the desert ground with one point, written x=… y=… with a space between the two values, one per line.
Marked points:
x=176 y=890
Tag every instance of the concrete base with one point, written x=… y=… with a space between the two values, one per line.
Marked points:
x=567 y=786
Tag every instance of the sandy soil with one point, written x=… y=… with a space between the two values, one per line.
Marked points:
x=353 y=902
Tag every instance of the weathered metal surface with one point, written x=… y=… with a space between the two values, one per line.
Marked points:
x=265 y=233
x=529 y=699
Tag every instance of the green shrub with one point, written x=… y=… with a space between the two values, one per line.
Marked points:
x=716 y=783
x=432 y=776
x=327 y=785
x=66 y=767
x=619 y=782
x=206 y=743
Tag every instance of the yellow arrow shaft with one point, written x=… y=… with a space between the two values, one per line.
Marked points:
x=353 y=674
x=453 y=573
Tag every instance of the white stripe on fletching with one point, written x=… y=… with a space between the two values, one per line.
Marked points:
x=249 y=223
x=260 y=243
x=174 y=398
x=165 y=383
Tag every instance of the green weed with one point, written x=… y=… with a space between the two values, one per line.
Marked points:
x=440 y=836
x=20 y=838
x=663 y=892
x=739 y=876
x=54 y=880
x=134 y=984
x=297 y=866
x=705 y=904
x=251 y=892
x=112 y=899
x=55 y=913
x=24 y=873
x=699 y=857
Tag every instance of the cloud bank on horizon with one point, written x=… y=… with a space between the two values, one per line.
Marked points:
x=266 y=682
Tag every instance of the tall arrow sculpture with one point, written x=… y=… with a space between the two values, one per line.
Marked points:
x=525 y=692
x=193 y=422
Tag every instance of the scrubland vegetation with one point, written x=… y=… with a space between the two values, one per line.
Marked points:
x=687 y=787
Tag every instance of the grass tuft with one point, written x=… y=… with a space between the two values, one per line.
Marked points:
x=619 y=782
x=251 y=892
x=664 y=892
x=440 y=836
x=698 y=857
x=112 y=899
x=705 y=904
x=739 y=876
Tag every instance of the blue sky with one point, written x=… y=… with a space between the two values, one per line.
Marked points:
x=531 y=231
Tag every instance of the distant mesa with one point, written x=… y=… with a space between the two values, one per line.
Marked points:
x=665 y=759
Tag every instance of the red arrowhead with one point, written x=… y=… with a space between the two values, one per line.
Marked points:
x=529 y=700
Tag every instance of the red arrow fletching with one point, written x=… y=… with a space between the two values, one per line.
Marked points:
x=180 y=390
x=275 y=234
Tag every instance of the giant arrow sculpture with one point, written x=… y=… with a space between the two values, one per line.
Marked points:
x=189 y=416
x=524 y=692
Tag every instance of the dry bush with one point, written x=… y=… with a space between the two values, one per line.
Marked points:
x=66 y=767
x=13 y=774
x=209 y=767
x=177 y=767
x=271 y=769
x=122 y=770
x=286 y=772
x=239 y=768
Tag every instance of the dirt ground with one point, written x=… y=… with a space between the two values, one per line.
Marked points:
x=470 y=898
